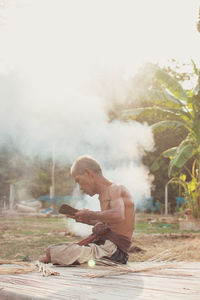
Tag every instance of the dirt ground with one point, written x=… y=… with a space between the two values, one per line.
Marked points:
x=156 y=238
x=161 y=240
x=166 y=247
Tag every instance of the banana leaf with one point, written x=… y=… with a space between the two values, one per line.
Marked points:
x=163 y=125
x=195 y=69
x=171 y=84
x=157 y=96
x=156 y=164
x=176 y=112
x=169 y=153
x=149 y=111
x=184 y=152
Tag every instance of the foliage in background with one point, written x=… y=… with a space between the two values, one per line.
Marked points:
x=31 y=177
x=137 y=92
x=178 y=108
x=170 y=107
x=191 y=189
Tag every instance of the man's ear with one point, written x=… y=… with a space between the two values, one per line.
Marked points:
x=89 y=172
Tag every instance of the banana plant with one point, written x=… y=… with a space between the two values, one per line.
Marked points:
x=191 y=189
x=178 y=108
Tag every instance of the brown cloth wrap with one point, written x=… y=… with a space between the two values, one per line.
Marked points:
x=102 y=231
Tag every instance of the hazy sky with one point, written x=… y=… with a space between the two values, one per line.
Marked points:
x=73 y=38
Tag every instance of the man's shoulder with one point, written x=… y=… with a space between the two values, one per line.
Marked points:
x=115 y=187
x=118 y=190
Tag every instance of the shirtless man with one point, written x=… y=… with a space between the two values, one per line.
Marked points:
x=114 y=224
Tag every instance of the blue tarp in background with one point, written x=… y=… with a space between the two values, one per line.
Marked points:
x=59 y=200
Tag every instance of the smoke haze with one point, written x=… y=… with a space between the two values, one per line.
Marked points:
x=49 y=54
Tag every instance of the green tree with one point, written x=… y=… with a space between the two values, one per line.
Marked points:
x=177 y=107
x=127 y=93
x=31 y=176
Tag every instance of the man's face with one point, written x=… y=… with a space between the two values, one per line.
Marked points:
x=85 y=182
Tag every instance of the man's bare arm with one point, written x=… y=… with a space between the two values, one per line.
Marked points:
x=86 y=221
x=83 y=219
x=113 y=215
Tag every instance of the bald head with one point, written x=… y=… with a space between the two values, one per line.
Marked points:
x=85 y=162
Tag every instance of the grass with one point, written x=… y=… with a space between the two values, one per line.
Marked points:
x=26 y=238
x=159 y=228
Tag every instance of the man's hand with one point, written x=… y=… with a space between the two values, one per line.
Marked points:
x=70 y=216
x=84 y=215
x=100 y=228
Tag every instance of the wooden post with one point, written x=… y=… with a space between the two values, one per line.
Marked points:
x=52 y=187
x=166 y=199
x=52 y=194
x=4 y=203
x=12 y=197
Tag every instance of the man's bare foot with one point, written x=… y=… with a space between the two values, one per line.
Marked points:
x=46 y=259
